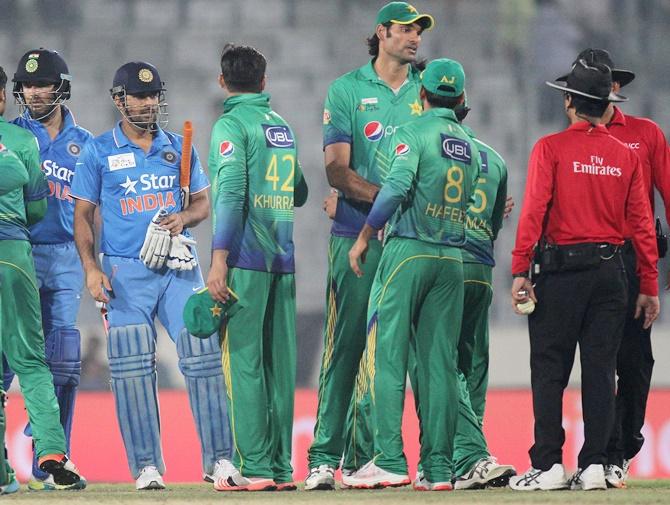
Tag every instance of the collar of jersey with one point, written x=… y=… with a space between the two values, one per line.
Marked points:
x=586 y=126
x=618 y=117
x=368 y=71
x=441 y=112
x=68 y=120
x=254 y=99
x=120 y=139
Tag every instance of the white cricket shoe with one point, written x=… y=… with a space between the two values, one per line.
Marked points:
x=615 y=476
x=370 y=476
x=222 y=468
x=589 y=478
x=320 y=478
x=236 y=482
x=534 y=479
x=149 y=478
x=345 y=477
x=423 y=484
x=485 y=473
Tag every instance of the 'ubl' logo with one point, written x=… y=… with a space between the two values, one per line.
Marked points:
x=456 y=149
x=278 y=136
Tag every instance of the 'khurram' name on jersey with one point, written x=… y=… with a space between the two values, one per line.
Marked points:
x=596 y=166
x=279 y=137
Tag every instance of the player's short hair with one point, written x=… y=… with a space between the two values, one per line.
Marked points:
x=243 y=68
x=443 y=102
x=3 y=78
x=587 y=106
x=373 y=41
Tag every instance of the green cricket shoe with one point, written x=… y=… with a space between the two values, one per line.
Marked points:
x=12 y=487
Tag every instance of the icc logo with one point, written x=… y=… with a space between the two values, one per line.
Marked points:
x=226 y=148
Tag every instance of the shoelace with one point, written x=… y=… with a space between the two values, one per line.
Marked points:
x=328 y=469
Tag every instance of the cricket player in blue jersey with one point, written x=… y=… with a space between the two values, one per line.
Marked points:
x=41 y=85
x=148 y=269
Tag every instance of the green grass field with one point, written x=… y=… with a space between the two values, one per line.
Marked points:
x=639 y=492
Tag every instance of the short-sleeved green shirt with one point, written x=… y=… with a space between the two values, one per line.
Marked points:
x=13 y=224
x=363 y=111
x=434 y=168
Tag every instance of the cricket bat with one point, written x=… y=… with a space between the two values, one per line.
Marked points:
x=185 y=166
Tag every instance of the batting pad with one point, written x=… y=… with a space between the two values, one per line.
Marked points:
x=132 y=362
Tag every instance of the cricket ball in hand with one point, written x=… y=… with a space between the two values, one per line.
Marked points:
x=526 y=307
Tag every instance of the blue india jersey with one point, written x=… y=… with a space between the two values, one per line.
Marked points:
x=130 y=185
x=57 y=158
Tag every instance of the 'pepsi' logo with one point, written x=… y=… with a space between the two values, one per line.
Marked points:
x=226 y=148
x=278 y=136
x=401 y=149
x=456 y=149
x=373 y=131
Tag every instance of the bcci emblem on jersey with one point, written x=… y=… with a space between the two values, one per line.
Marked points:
x=74 y=149
x=456 y=149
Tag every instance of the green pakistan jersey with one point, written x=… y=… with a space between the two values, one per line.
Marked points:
x=22 y=143
x=363 y=111
x=256 y=181
x=485 y=214
x=435 y=165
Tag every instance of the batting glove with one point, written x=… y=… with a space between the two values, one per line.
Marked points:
x=180 y=256
x=156 y=243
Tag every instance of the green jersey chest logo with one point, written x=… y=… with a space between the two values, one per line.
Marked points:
x=369 y=104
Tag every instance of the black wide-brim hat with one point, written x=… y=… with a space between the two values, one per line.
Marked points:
x=590 y=81
x=602 y=56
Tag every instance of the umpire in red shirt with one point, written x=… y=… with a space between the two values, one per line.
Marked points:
x=635 y=360
x=582 y=187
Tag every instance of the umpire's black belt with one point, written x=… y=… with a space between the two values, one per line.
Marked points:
x=567 y=258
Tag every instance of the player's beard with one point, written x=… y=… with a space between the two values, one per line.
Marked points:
x=42 y=107
x=143 y=117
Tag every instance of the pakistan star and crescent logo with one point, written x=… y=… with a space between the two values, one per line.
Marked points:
x=216 y=310
x=129 y=185
x=412 y=9
x=415 y=108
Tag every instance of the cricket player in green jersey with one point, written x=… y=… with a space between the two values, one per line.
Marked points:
x=417 y=294
x=256 y=183
x=474 y=467
x=21 y=336
x=363 y=109
x=13 y=176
